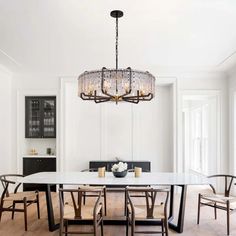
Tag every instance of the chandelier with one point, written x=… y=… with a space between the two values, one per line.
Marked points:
x=116 y=84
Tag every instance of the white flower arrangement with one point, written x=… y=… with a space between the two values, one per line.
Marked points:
x=120 y=167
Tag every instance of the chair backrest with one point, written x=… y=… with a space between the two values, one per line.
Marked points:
x=76 y=198
x=150 y=196
x=7 y=180
x=228 y=181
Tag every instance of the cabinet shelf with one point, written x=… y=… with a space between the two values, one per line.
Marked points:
x=35 y=126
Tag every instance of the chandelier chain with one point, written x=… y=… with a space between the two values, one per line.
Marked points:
x=116 y=43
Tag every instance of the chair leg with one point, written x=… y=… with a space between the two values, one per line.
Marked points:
x=13 y=210
x=84 y=199
x=102 y=228
x=215 y=210
x=95 y=227
x=132 y=227
x=105 y=200
x=162 y=228
x=228 y=215
x=25 y=213
x=125 y=204
x=38 y=208
x=166 y=226
x=66 y=227
x=127 y=225
x=61 y=227
x=1 y=207
x=199 y=208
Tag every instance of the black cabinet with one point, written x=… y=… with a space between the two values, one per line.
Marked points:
x=35 y=165
x=145 y=165
x=40 y=117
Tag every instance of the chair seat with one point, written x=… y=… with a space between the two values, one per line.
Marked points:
x=86 y=212
x=141 y=211
x=220 y=198
x=88 y=187
x=19 y=196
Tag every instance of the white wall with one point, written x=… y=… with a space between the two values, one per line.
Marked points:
x=10 y=124
x=153 y=130
x=5 y=123
x=192 y=81
x=28 y=85
x=126 y=131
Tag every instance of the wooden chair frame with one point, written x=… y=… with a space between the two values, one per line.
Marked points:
x=215 y=204
x=104 y=194
x=26 y=202
x=150 y=195
x=135 y=195
x=97 y=217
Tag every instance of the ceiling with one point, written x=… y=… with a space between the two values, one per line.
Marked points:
x=66 y=37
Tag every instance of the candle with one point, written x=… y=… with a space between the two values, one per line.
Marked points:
x=101 y=171
x=137 y=171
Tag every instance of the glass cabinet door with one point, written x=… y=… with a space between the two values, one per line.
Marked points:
x=40 y=117
x=49 y=117
x=33 y=121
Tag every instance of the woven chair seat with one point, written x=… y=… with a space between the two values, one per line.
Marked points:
x=19 y=196
x=141 y=212
x=218 y=198
x=86 y=212
x=87 y=187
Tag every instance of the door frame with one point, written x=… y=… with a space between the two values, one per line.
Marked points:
x=180 y=161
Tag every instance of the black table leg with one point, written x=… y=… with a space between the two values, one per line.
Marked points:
x=180 y=223
x=51 y=220
x=171 y=211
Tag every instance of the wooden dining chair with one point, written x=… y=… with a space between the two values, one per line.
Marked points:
x=75 y=210
x=134 y=195
x=223 y=201
x=9 y=201
x=104 y=192
x=153 y=207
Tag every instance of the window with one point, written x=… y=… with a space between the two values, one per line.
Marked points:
x=199 y=139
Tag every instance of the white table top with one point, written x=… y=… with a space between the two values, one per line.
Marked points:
x=152 y=178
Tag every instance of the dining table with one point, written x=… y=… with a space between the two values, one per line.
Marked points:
x=173 y=180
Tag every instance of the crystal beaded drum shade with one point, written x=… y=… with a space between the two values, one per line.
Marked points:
x=116 y=84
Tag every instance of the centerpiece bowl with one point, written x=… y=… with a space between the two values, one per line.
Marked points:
x=120 y=174
x=119 y=170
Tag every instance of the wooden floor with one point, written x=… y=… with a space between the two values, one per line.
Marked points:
x=208 y=226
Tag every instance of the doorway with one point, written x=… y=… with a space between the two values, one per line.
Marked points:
x=200 y=129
